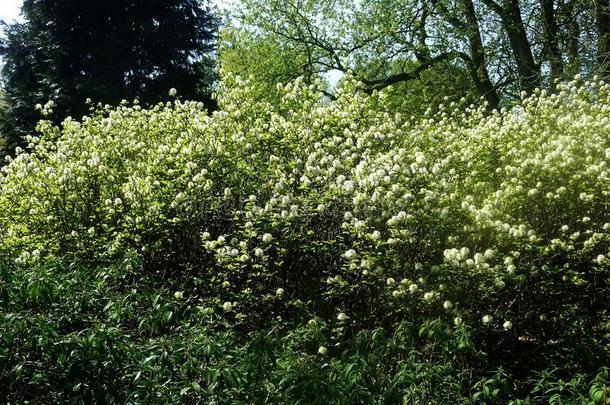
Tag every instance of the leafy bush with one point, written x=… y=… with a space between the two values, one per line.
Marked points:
x=311 y=251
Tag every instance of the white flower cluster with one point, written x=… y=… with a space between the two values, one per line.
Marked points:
x=459 y=204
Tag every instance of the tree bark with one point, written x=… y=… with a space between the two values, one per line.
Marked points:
x=479 y=71
x=551 y=43
x=476 y=59
x=510 y=15
x=602 y=20
x=569 y=17
x=529 y=74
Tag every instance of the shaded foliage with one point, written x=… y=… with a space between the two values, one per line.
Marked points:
x=312 y=250
x=69 y=51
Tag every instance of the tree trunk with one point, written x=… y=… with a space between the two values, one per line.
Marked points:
x=602 y=20
x=551 y=43
x=422 y=52
x=529 y=74
x=569 y=17
x=479 y=71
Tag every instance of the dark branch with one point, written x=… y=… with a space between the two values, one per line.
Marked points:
x=495 y=7
x=378 y=84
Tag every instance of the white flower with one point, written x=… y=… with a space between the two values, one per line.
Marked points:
x=342 y=317
x=479 y=258
x=420 y=158
x=507 y=325
x=348 y=186
x=173 y=92
x=227 y=306
x=487 y=319
x=322 y=350
x=178 y=295
x=457 y=321
x=413 y=288
x=447 y=305
x=267 y=238
x=279 y=292
x=350 y=254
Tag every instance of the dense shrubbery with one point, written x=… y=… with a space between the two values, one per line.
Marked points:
x=321 y=251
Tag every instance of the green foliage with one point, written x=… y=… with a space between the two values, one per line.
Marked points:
x=494 y=49
x=311 y=250
x=68 y=51
x=106 y=335
x=265 y=60
x=421 y=96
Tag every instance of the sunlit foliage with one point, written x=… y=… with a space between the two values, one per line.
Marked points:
x=338 y=251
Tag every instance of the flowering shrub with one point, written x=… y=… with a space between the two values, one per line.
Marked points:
x=490 y=229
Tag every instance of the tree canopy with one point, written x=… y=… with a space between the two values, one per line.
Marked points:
x=67 y=51
x=503 y=46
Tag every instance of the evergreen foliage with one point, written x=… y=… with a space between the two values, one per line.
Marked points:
x=68 y=51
